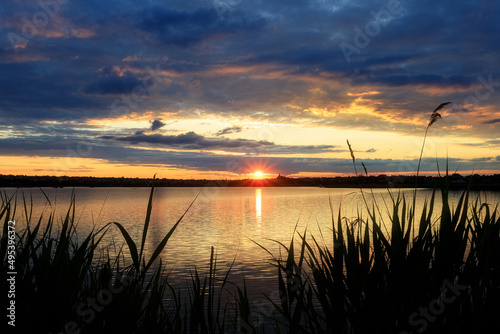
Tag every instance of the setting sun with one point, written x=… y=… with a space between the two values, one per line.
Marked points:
x=258 y=174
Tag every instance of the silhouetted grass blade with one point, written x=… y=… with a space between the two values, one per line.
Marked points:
x=131 y=246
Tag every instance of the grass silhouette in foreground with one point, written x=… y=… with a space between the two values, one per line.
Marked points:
x=440 y=277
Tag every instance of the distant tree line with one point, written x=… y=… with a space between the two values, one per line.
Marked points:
x=454 y=181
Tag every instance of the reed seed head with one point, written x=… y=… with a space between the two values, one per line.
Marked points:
x=441 y=106
x=350 y=149
x=434 y=118
x=435 y=115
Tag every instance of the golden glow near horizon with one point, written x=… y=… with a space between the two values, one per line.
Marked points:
x=298 y=142
x=367 y=145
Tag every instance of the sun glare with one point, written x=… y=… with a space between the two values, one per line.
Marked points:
x=258 y=174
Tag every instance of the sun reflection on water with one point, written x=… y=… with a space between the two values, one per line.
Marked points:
x=258 y=208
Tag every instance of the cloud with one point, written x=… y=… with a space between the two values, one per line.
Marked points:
x=491 y=143
x=301 y=149
x=482 y=159
x=185 y=28
x=412 y=79
x=193 y=141
x=493 y=121
x=157 y=124
x=194 y=157
x=231 y=129
x=113 y=82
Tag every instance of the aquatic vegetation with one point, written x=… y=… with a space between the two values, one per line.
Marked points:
x=67 y=284
x=422 y=274
x=442 y=278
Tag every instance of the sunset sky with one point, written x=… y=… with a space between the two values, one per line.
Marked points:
x=223 y=88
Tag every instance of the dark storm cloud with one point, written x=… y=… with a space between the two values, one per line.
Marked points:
x=187 y=27
x=416 y=47
x=113 y=84
x=39 y=90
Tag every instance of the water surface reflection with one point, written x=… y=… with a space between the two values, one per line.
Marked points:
x=258 y=208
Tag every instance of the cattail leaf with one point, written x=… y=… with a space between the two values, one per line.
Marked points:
x=131 y=245
x=162 y=244
x=148 y=218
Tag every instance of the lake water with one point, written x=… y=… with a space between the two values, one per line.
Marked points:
x=232 y=220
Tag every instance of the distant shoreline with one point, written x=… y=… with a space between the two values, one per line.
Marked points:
x=455 y=181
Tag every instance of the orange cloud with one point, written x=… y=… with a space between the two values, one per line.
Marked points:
x=373 y=92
